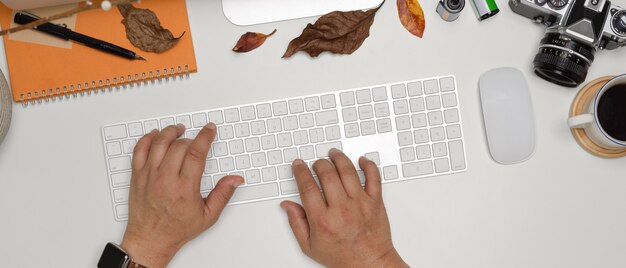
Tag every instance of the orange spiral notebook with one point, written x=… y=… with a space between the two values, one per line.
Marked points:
x=43 y=71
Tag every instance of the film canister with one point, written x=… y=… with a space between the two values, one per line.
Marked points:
x=450 y=10
x=485 y=8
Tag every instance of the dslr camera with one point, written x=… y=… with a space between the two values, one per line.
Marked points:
x=576 y=29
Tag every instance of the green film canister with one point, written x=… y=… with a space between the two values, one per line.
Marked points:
x=485 y=8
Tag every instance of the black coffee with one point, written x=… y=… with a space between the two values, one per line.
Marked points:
x=612 y=112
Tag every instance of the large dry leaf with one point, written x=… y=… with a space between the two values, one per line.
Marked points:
x=337 y=32
x=412 y=16
x=144 y=29
x=250 y=41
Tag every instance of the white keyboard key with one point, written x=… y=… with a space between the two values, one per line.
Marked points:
x=417 y=105
x=288 y=187
x=419 y=120
x=440 y=149
x=366 y=112
x=423 y=151
x=252 y=144
x=268 y=142
x=231 y=115
x=217 y=117
x=280 y=108
x=451 y=116
x=264 y=110
x=363 y=96
x=384 y=125
x=211 y=167
x=300 y=137
x=457 y=156
x=184 y=120
x=150 y=125
x=114 y=148
x=403 y=122
x=421 y=136
x=121 y=179
x=253 y=176
x=128 y=146
x=247 y=113
x=115 y=132
x=379 y=94
x=316 y=135
x=121 y=195
x=381 y=109
x=435 y=118
x=269 y=174
x=285 y=172
x=192 y=134
x=415 y=89
x=447 y=84
x=352 y=130
x=433 y=102
x=431 y=86
x=374 y=157
x=368 y=128
x=259 y=159
x=307 y=152
x=296 y=106
x=226 y=132
x=417 y=169
x=312 y=104
x=453 y=131
x=390 y=173
x=407 y=154
x=220 y=149
x=135 y=129
x=227 y=164
x=206 y=183
x=401 y=107
x=199 y=120
x=349 y=114
x=119 y=164
x=405 y=138
x=328 y=101
x=122 y=211
x=290 y=154
x=242 y=161
x=442 y=165
x=274 y=157
x=323 y=148
x=290 y=122
x=347 y=98
x=437 y=134
x=306 y=120
x=449 y=100
x=326 y=118
x=257 y=127
x=255 y=192
x=274 y=125
x=333 y=133
x=398 y=91
x=242 y=130
x=284 y=140
x=166 y=122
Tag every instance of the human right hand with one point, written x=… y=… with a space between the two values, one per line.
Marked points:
x=346 y=226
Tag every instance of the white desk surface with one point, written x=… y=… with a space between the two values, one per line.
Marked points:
x=562 y=208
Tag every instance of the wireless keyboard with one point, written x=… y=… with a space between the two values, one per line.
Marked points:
x=411 y=129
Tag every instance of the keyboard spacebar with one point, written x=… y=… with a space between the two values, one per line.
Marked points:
x=255 y=192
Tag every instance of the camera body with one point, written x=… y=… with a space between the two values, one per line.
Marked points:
x=576 y=29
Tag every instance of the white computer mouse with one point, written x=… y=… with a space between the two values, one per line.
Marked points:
x=508 y=115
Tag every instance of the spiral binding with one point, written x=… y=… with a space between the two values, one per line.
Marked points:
x=103 y=85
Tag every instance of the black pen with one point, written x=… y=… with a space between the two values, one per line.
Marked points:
x=67 y=34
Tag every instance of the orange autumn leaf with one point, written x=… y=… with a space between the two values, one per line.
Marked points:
x=250 y=41
x=412 y=16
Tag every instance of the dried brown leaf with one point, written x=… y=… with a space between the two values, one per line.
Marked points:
x=412 y=16
x=250 y=41
x=144 y=29
x=336 y=32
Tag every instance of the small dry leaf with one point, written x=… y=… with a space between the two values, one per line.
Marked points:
x=337 y=32
x=144 y=29
x=251 y=41
x=412 y=16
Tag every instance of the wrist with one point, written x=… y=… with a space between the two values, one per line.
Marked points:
x=148 y=254
x=391 y=259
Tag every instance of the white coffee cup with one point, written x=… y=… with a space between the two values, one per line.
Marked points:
x=590 y=121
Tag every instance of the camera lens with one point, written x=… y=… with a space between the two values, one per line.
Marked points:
x=563 y=61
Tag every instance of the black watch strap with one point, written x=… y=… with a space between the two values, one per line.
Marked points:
x=114 y=256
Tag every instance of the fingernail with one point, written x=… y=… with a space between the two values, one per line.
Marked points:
x=211 y=126
x=154 y=131
x=334 y=151
x=181 y=126
x=298 y=162
x=283 y=207
x=237 y=183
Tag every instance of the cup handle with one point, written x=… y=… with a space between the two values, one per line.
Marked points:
x=580 y=121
